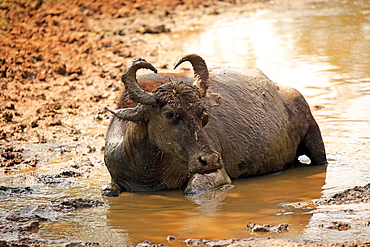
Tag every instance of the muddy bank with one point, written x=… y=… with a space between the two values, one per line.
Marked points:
x=269 y=242
x=358 y=194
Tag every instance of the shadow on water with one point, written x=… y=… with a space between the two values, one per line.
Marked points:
x=219 y=214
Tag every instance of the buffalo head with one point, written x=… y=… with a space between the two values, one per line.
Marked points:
x=175 y=115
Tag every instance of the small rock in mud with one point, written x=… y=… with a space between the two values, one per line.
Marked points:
x=171 y=238
x=57 y=181
x=213 y=243
x=75 y=203
x=267 y=228
x=68 y=174
x=147 y=243
x=78 y=244
x=154 y=30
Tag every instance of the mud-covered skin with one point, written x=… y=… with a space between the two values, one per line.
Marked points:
x=253 y=126
x=260 y=127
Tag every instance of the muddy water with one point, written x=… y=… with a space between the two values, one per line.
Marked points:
x=221 y=214
x=321 y=49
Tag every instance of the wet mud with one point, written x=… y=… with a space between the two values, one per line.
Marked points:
x=20 y=224
x=356 y=195
x=268 y=242
x=60 y=65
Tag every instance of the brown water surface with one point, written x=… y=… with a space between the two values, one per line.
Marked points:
x=219 y=214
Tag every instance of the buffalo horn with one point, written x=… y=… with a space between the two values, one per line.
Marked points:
x=200 y=71
x=130 y=114
x=129 y=79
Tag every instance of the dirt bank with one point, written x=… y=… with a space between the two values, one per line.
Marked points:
x=60 y=65
x=61 y=62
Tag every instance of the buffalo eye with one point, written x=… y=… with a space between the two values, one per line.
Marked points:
x=170 y=115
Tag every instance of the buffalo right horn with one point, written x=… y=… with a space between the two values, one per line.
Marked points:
x=129 y=114
x=200 y=71
x=134 y=91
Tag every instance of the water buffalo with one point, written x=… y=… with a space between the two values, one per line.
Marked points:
x=196 y=132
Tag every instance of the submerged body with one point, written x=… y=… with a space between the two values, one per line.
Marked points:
x=260 y=127
x=252 y=126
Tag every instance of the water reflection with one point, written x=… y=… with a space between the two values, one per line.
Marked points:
x=218 y=214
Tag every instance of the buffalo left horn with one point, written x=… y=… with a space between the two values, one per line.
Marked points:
x=134 y=91
x=200 y=71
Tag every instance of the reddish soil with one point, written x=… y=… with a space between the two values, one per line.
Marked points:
x=61 y=62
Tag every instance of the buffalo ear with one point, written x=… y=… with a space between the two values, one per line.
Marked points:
x=130 y=114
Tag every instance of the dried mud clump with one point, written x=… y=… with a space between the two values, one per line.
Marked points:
x=358 y=194
x=12 y=160
x=337 y=225
x=6 y=191
x=267 y=228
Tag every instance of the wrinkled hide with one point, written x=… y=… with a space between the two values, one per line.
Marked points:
x=259 y=127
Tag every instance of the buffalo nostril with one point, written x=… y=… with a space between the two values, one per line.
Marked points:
x=203 y=161
x=211 y=159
